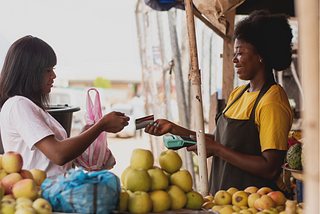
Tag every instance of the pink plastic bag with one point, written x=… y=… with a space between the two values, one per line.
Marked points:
x=97 y=156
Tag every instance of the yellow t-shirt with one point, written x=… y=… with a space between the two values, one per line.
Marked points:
x=273 y=115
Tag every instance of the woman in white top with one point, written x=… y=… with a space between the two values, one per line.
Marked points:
x=26 y=127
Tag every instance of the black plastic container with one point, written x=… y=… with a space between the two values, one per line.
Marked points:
x=63 y=114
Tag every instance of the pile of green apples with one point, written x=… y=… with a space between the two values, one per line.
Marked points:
x=149 y=188
x=251 y=200
x=20 y=189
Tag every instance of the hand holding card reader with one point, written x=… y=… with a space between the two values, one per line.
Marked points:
x=176 y=142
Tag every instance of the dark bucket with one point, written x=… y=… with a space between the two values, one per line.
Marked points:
x=63 y=114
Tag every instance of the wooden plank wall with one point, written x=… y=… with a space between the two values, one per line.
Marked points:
x=308 y=19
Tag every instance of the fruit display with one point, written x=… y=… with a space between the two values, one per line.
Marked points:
x=20 y=191
x=294 y=156
x=251 y=200
x=149 y=188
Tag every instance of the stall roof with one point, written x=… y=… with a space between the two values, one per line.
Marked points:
x=274 y=6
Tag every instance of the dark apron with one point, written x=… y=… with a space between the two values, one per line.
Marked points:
x=241 y=136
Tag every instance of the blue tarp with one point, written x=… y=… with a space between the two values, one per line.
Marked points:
x=164 y=5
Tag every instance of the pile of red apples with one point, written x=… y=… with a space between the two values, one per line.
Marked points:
x=20 y=189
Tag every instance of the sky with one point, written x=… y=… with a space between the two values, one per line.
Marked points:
x=90 y=37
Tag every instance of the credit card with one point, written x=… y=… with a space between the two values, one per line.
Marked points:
x=142 y=122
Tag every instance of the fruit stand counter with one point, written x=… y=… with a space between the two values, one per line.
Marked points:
x=182 y=211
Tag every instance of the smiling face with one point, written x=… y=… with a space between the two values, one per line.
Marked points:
x=48 y=80
x=247 y=61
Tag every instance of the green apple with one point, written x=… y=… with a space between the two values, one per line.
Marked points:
x=10 y=201
x=178 y=197
x=38 y=176
x=209 y=197
x=236 y=208
x=232 y=190
x=23 y=204
x=139 y=202
x=240 y=198
x=8 y=181
x=25 y=188
x=42 y=206
x=138 y=180
x=252 y=198
x=217 y=207
x=271 y=211
x=182 y=179
x=2 y=191
x=253 y=210
x=124 y=198
x=226 y=210
x=158 y=179
x=194 y=200
x=141 y=158
x=222 y=197
x=3 y=173
x=7 y=209
x=170 y=161
x=12 y=162
x=26 y=210
x=161 y=201
x=245 y=212
x=124 y=173
x=1 y=155
x=208 y=205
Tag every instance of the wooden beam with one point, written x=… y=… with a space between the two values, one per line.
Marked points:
x=211 y=26
x=228 y=50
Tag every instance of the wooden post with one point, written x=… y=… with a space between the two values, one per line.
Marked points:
x=308 y=18
x=195 y=78
x=228 y=50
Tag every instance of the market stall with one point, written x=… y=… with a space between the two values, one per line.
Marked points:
x=167 y=188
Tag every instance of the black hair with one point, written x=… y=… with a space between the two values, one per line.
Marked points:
x=270 y=35
x=24 y=69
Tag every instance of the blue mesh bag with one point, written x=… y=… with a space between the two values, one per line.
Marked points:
x=81 y=192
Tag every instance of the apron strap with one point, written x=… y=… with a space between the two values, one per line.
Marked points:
x=239 y=95
x=269 y=82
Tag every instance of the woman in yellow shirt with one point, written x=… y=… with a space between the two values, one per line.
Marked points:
x=250 y=141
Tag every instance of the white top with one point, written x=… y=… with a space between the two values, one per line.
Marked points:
x=23 y=124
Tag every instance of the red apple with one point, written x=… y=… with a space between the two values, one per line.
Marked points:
x=25 y=188
x=26 y=174
x=278 y=197
x=8 y=181
x=264 y=190
x=12 y=162
x=264 y=202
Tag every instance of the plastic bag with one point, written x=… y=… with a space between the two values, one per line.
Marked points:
x=80 y=192
x=97 y=156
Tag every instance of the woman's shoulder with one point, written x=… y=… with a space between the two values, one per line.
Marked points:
x=18 y=99
x=276 y=96
x=18 y=102
x=276 y=93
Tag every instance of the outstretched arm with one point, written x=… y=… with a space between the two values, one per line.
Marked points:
x=64 y=151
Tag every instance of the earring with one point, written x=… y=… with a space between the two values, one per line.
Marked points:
x=260 y=60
